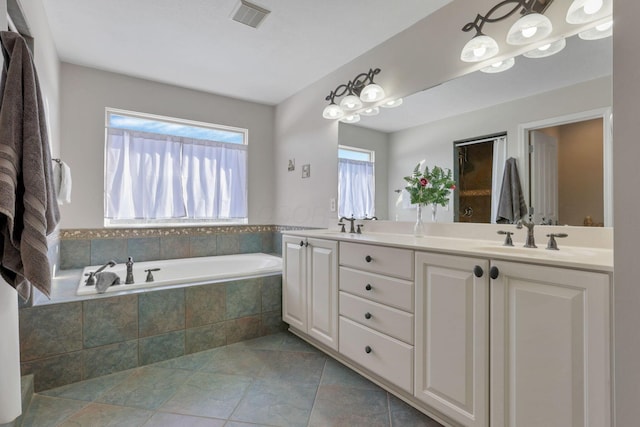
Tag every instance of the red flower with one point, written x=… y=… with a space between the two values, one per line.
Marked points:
x=423 y=182
x=453 y=187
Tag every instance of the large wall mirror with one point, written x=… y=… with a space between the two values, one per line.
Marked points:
x=537 y=98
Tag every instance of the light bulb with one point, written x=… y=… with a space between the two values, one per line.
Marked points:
x=479 y=48
x=498 y=67
x=598 y=32
x=392 y=103
x=479 y=51
x=544 y=47
x=370 y=111
x=372 y=93
x=546 y=50
x=605 y=26
x=350 y=103
x=351 y=118
x=332 y=112
x=529 y=32
x=592 y=6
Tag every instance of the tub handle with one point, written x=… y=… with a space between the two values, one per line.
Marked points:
x=150 y=274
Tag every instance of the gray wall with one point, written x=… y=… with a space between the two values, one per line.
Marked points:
x=85 y=94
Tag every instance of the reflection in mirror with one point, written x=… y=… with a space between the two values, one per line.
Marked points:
x=575 y=80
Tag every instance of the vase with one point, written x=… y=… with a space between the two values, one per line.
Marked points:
x=434 y=212
x=418 y=229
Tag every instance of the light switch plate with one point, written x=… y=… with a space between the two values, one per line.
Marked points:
x=306 y=170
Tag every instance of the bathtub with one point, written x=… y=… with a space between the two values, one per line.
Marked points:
x=188 y=271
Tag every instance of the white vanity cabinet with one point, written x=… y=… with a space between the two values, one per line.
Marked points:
x=310 y=287
x=550 y=335
x=452 y=336
x=376 y=310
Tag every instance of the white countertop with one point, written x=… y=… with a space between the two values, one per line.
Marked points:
x=580 y=257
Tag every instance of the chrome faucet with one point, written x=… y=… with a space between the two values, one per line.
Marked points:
x=352 y=220
x=91 y=280
x=129 y=279
x=530 y=242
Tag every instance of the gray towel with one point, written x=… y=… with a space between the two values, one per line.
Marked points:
x=511 y=206
x=106 y=279
x=28 y=208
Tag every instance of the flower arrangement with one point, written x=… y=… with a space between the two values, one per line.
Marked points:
x=430 y=186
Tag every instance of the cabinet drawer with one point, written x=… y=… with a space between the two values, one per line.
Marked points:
x=378 y=259
x=386 y=290
x=387 y=320
x=387 y=357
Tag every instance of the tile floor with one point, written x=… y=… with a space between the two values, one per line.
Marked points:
x=277 y=380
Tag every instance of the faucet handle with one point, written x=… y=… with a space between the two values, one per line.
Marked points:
x=150 y=275
x=507 y=240
x=552 y=244
x=359 y=228
x=341 y=224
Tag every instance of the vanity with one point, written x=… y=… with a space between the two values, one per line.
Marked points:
x=464 y=329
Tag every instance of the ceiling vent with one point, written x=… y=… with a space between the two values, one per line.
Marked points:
x=249 y=14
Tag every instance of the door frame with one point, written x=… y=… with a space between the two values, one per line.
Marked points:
x=607 y=146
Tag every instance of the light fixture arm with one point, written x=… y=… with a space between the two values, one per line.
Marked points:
x=353 y=86
x=527 y=6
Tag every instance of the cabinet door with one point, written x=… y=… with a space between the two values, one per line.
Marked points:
x=549 y=347
x=294 y=292
x=452 y=336
x=322 y=291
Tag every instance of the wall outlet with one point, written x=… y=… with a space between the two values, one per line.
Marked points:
x=332 y=205
x=306 y=170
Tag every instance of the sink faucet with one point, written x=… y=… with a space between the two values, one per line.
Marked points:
x=352 y=220
x=530 y=242
x=91 y=280
x=129 y=279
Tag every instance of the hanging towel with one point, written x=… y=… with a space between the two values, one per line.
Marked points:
x=62 y=181
x=511 y=206
x=28 y=207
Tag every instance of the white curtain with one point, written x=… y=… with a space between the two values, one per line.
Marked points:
x=499 y=158
x=356 y=188
x=154 y=176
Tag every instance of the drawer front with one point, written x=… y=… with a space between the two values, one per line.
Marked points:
x=378 y=259
x=388 y=320
x=386 y=290
x=387 y=357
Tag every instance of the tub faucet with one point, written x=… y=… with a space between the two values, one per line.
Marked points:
x=91 y=280
x=530 y=242
x=129 y=279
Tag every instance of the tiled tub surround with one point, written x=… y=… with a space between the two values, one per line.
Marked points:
x=82 y=247
x=69 y=342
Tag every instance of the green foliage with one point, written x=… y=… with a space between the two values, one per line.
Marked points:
x=430 y=186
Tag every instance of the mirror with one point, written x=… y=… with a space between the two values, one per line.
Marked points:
x=573 y=85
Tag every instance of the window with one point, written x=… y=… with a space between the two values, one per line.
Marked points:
x=165 y=171
x=356 y=182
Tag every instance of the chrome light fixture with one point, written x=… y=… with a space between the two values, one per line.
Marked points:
x=584 y=11
x=546 y=49
x=531 y=27
x=357 y=93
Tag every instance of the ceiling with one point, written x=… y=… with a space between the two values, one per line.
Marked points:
x=195 y=44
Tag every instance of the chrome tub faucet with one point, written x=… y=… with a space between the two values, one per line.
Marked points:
x=531 y=241
x=91 y=279
x=129 y=279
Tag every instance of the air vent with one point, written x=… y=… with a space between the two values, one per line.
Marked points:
x=249 y=14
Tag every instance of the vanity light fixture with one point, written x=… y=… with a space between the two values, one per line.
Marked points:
x=500 y=66
x=546 y=49
x=584 y=11
x=357 y=93
x=369 y=111
x=600 y=31
x=531 y=27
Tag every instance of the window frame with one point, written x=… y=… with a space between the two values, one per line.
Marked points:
x=173 y=222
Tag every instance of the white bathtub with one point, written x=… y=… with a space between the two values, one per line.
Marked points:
x=188 y=271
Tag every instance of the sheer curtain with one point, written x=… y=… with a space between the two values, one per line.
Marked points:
x=356 y=188
x=154 y=176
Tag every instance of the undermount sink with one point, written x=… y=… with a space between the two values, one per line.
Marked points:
x=539 y=251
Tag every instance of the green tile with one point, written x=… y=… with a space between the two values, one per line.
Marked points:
x=272 y=323
x=88 y=390
x=244 y=328
x=345 y=406
x=160 y=312
x=243 y=298
x=144 y=248
x=110 y=358
x=205 y=304
x=236 y=361
x=49 y=330
x=146 y=388
x=104 y=250
x=304 y=368
x=228 y=244
x=54 y=371
x=206 y=245
x=336 y=373
x=272 y=293
x=405 y=415
x=160 y=419
x=75 y=254
x=250 y=243
x=110 y=320
x=47 y=411
x=97 y=414
x=205 y=337
x=172 y=247
x=161 y=347
x=267 y=242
